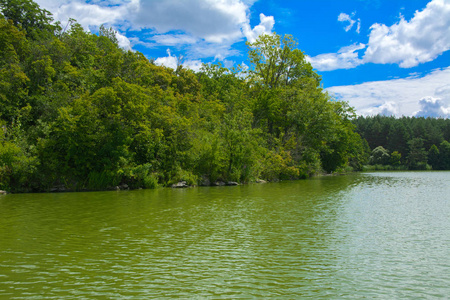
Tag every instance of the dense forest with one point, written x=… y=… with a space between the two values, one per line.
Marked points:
x=413 y=143
x=78 y=112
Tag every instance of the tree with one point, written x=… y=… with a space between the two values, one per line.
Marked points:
x=444 y=150
x=380 y=156
x=434 y=157
x=398 y=138
x=276 y=62
x=276 y=65
x=396 y=158
x=417 y=156
x=28 y=15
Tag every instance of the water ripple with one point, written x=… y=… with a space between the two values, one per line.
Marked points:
x=380 y=235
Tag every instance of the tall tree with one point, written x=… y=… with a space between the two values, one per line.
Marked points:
x=28 y=15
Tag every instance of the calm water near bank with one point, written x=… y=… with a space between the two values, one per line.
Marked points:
x=375 y=235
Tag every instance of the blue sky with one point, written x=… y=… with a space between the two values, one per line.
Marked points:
x=382 y=56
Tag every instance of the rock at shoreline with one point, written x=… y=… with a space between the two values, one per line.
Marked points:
x=3 y=192
x=232 y=183
x=124 y=186
x=205 y=182
x=58 y=189
x=218 y=183
x=260 y=181
x=181 y=184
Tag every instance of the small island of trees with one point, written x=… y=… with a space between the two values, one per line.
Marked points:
x=79 y=113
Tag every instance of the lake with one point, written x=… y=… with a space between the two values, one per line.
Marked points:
x=372 y=235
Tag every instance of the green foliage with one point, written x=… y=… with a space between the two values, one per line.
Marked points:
x=209 y=157
x=434 y=157
x=239 y=145
x=82 y=113
x=28 y=15
x=380 y=156
x=444 y=159
x=141 y=176
x=17 y=168
x=408 y=137
x=279 y=166
x=396 y=158
x=417 y=157
x=100 y=180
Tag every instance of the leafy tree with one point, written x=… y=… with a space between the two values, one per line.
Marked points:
x=28 y=15
x=396 y=158
x=380 y=156
x=434 y=157
x=13 y=80
x=239 y=146
x=417 y=156
x=398 y=138
x=276 y=64
x=444 y=151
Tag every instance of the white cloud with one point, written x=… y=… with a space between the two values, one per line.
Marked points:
x=214 y=21
x=398 y=96
x=195 y=65
x=343 y=17
x=174 y=39
x=86 y=14
x=388 y=108
x=432 y=107
x=265 y=27
x=209 y=25
x=346 y=58
x=407 y=43
x=171 y=61
x=167 y=61
x=124 y=42
x=422 y=39
x=217 y=51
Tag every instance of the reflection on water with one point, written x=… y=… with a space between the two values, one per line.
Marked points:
x=372 y=235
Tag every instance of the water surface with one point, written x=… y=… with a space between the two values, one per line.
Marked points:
x=374 y=235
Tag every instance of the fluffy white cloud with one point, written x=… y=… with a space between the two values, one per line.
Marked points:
x=399 y=96
x=433 y=107
x=209 y=25
x=420 y=40
x=86 y=14
x=174 y=39
x=172 y=62
x=168 y=61
x=407 y=43
x=343 y=17
x=265 y=27
x=214 y=21
x=346 y=58
x=124 y=42
x=388 y=108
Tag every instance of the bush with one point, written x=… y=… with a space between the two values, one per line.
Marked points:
x=380 y=156
x=141 y=177
x=17 y=169
x=102 y=180
x=183 y=175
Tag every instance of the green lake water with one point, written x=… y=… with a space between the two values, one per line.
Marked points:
x=375 y=235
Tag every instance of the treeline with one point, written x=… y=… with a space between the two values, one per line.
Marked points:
x=414 y=143
x=78 y=112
